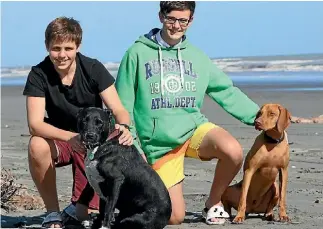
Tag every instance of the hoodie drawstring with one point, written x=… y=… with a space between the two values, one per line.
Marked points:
x=181 y=66
x=160 y=54
x=162 y=82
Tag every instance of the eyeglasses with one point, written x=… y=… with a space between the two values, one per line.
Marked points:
x=172 y=20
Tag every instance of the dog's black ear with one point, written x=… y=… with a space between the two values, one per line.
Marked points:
x=78 y=115
x=109 y=112
x=109 y=121
x=79 y=112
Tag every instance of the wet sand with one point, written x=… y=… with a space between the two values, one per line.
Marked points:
x=305 y=184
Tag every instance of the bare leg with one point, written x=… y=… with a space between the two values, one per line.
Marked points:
x=178 y=204
x=42 y=169
x=219 y=144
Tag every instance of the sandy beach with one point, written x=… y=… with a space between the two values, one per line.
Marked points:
x=305 y=184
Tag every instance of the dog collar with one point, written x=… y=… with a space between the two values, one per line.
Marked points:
x=91 y=152
x=272 y=140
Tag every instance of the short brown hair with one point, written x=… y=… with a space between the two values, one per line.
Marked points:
x=168 y=6
x=63 y=29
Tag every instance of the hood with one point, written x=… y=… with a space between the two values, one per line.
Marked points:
x=149 y=39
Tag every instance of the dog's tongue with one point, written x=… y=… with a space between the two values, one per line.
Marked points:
x=114 y=134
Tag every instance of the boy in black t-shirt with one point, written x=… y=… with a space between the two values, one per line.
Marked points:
x=60 y=85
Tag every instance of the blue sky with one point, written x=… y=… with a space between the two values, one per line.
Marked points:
x=221 y=29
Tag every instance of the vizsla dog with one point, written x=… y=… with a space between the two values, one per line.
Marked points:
x=258 y=192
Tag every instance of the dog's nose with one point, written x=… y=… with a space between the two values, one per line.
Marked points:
x=257 y=121
x=90 y=136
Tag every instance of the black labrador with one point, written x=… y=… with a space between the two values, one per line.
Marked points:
x=121 y=177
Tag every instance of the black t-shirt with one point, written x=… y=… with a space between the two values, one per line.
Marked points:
x=62 y=101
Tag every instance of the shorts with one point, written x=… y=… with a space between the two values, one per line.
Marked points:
x=170 y=167
x=82 y=192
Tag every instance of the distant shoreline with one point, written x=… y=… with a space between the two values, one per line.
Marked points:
x=254 y=81
x=289 y=63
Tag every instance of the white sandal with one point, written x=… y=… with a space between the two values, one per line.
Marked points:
x=215 y=212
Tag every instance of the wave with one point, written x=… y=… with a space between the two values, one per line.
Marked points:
x=299 y=63
x=241 y=65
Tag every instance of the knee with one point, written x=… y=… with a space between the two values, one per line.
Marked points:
x=38 y=149
x=234 y=153
x=177 y=217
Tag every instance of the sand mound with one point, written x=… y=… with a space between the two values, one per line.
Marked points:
x=15 y=197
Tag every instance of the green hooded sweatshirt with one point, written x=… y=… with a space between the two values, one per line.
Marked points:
x=163 y=89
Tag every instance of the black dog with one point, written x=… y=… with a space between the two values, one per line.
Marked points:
x=121 y=177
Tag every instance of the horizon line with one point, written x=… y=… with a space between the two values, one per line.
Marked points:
x=212 y=58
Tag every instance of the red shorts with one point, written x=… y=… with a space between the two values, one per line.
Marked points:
x=82 y=192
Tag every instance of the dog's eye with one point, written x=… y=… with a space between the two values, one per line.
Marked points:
x=98 y=122
x=258 y=114
x=86 y=119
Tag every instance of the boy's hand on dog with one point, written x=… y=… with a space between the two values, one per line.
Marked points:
x=126 y=136
x=75 y=142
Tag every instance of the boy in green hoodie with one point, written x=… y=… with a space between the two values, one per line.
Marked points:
x=162 y=81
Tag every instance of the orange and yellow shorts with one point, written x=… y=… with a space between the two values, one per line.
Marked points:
x=170 y=167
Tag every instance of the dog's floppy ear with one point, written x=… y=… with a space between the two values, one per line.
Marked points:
x=78 y=118
x=283 y=119
x=109 y=112
x=79 y=112
x=109 y=121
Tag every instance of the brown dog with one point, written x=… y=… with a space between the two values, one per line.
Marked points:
x=258 y=192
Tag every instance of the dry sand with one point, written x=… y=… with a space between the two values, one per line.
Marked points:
x=305 y=184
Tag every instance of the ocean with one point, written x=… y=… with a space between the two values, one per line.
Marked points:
x=283 y=73
x=254 y=81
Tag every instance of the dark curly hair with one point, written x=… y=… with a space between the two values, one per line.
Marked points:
x=167 y=6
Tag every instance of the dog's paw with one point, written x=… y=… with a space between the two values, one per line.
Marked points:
x=284 y=218
x=238 y=219
x=270 y=216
